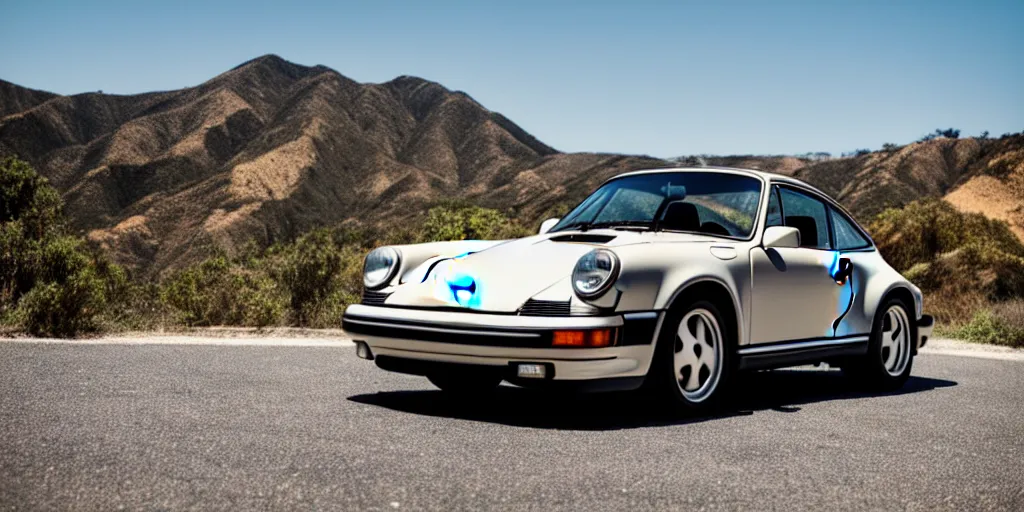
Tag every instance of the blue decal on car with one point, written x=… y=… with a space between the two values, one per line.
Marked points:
x=463 y=289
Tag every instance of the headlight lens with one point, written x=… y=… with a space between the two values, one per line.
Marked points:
x=594 y=273
x=380 y=266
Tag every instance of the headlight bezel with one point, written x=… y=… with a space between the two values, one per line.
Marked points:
x=396 y=263
x=609 y=279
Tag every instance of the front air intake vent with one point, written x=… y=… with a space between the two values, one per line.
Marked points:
x=583 y=238
x=545 y=308
x=372 y=298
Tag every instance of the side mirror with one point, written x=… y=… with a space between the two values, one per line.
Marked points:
x=778 y=237
x=547 y=225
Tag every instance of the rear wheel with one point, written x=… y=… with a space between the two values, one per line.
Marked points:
x=466 y=382
x=890 y=354
x=692 y=362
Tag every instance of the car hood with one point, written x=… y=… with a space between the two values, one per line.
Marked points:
x=503 y=277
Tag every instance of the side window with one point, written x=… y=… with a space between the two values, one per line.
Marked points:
x=847 y=236
x=807 y=214
x=774 y=217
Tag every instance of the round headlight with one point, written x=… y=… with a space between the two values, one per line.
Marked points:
x=594 y=273
x=380 y=266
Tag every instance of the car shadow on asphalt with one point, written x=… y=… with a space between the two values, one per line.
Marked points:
x=779 y=390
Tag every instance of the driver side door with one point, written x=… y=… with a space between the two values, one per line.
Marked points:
x=794 y=296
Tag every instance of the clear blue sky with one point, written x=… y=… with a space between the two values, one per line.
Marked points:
x=659 y=78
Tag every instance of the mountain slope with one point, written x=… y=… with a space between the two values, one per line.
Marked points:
x=994 y=186
x=14 y=98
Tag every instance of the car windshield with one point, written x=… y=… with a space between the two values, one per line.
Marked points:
x=713 y=203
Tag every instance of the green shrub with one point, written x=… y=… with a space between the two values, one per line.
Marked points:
x=1002 y=324
x=924 y=229
x=310 y=269
x=459 y=221
x=51 y=283
x=263 y=301
x=28 y=197
x=135 y=306
x=307 y=283
x=63 y=309
x=219 y=292
x=316 y=274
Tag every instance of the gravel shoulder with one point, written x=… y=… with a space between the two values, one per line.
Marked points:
x=951 y=347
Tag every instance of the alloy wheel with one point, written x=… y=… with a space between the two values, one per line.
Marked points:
x=698 y=355
x=895 y=340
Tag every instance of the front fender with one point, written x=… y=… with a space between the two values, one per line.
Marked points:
x=651 y=279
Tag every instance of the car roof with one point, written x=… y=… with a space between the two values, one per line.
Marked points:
x=764 y=175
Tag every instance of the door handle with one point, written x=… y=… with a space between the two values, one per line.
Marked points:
x=844 y=271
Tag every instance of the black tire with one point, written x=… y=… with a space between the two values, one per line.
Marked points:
x=467 y=382
x=870 y=370
x=662 y=381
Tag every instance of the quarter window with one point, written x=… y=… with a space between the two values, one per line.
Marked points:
x=847 y=236
x=808 y=215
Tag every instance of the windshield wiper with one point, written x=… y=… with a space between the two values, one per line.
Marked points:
x=611 y=224
x=582 y=226
x=622 y=224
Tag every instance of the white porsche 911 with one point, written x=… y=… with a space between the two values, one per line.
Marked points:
x=669 y=279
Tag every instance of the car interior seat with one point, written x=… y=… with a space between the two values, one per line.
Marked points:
x=808 y=229
x=681 y=216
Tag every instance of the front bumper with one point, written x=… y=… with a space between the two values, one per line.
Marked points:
x=925 y=324
x=497 y=340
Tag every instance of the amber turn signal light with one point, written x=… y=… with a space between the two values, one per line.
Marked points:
x=585 y=339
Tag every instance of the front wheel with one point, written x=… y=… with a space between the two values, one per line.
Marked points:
x=466 y=383
x=692 y=361
x=890 y=354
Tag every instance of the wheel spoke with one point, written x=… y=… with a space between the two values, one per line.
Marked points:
x=694 y=381
x=899 y=353
x=686 y=356
x=887 y=335
x=898 y=340
x=886 y=341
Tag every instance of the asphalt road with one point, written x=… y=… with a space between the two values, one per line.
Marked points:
x=102 y=426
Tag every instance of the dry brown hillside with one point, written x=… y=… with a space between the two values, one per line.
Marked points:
x=14 y=99
x=269 y=150
x=994 y=186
